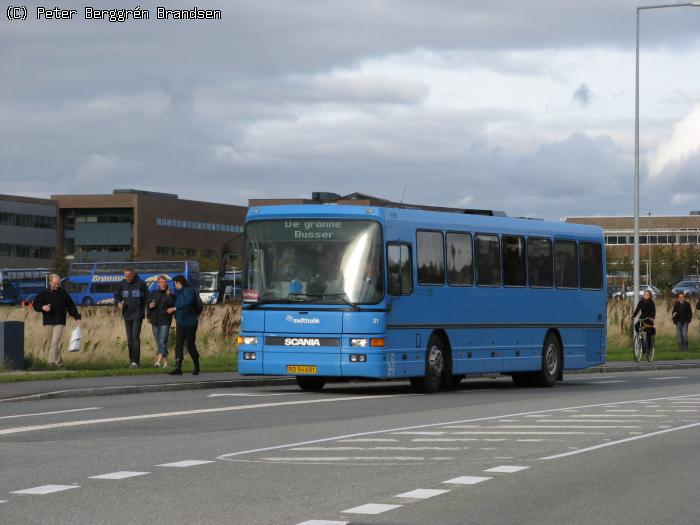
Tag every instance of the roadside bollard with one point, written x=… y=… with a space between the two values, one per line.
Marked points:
x=12 y=345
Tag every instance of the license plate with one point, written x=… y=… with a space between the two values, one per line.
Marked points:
x=301 y=369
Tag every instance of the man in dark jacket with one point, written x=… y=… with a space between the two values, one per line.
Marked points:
x=682 y=314
x=54 y=303
x=130 y=297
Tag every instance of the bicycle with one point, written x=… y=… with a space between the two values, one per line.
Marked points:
x=643 y=339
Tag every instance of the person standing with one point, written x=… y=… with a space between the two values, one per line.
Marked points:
x=54 y=303
x=682 y=314
x=130 y=297
x=158 y=303
x=185 y=324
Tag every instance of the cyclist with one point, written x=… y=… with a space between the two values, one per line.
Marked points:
x=647 y=310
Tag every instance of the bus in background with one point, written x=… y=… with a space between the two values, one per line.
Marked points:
x=361 y=291
x=22 y=284
x=209 y=287
x=95 y=283
x=231 y=285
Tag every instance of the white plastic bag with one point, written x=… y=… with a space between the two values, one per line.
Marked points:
x=74 y=344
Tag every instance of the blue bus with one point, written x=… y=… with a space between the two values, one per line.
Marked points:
x=22 y=284
x=430 y=296
x=95 y=283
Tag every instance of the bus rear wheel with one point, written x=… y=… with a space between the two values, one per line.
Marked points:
x=87 y=301
x=435 y=366
x=551 y=362
x=310 y=384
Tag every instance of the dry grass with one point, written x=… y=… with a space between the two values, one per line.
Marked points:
x=103 y=336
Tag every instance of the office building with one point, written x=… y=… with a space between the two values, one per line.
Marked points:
x=28 y=232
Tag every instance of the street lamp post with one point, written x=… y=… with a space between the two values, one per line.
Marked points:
x=694 y=3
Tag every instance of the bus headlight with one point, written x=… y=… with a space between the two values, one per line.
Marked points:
x=249 y=356
x=362 y=343
x=247 y=340
x=358 y=358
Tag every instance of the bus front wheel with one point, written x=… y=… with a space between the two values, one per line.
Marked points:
x=435 y=365
x=310 y=384
x=551 y=362
x=87 y=301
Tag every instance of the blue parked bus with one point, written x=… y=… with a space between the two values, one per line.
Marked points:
x=94 y=283
x=22 y=284
x=379 y=292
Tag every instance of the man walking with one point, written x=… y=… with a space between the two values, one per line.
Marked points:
x=130 y=297
x=54 y=303
x=682 y=314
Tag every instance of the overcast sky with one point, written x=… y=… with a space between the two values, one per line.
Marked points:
x=526 y=107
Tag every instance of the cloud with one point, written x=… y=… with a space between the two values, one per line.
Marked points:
x=672 y=155
x=583 y=95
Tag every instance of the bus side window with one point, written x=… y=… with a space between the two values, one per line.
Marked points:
x=566 y=264
x=591 y=265
x=488 y=260
x=399 y=267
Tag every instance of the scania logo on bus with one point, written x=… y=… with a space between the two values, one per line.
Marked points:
x=302 y=320
x=299 y=341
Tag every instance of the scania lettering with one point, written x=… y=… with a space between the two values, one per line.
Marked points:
x=426 y=295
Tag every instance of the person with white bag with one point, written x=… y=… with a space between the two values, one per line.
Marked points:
x=55 y=304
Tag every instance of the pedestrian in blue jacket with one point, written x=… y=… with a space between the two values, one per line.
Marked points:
x=130 y=297
x=185 y=324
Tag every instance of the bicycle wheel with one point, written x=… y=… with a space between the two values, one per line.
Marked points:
x=650 y=349
x=637 y=347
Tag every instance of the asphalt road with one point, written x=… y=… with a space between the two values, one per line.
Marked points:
x=617 y=449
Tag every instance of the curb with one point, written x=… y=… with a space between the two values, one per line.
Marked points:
x=284 y=381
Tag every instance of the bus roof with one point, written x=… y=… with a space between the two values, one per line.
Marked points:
x=424 y=219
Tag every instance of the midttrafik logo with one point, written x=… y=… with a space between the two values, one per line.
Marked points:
x=302 y=320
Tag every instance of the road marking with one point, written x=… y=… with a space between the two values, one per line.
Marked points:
x=547 y=426
x=581 y=378
x=666 y=378
x=3 y=501
x=616 y=415
x=442 y=440
x=420 y=433
x=45 y=489
x=422 y=493
x=186 y=463
x=593 y=421
x=626 y=440
x=50 y=413
x=122 y=474
x=506 y=469
x=622 y=410
x=319 y=449
x=369 y=440
x=68 y=424
x=254 y=395
x=371 y=508
x=323 y=522
x=608 y=382
x=349 y=458
x=518 y=433
x=467 y=480
x=444 y=423
x=691 y=410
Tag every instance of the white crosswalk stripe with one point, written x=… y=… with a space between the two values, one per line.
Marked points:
x=371 y=508
x=45 y=489
x=423 y=493
x=122 y=474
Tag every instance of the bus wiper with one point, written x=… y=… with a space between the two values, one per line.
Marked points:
x=265 y=301
x=317 y=296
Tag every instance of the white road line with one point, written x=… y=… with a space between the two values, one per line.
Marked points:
x=519 y=433
x=506 y=469
x=68 y=424
x=626 y=440
x=466 y=480
x=371 y=508
x=608 y=382
x=622 y=410
x=583 y=416
x=530 y=440
x=50 y=413
x=546 y=426
x=369 y=440
x=254 y=395
x=323 y=522
x=420 y=433
x=45 y=489
x=434 y=425
x=442 y=440
x=3 y=501
x=687 y=410
x=122 y=474
x=186 y=463
x=666 y=378
x=423 y=493
x=347 y=458
x=318 y=449
x=593 y=421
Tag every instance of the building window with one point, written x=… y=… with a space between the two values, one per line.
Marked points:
x=23 y=220
x=27 y=252
x=197 y=225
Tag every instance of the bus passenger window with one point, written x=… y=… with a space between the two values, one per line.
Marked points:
x=566 y=264
x=431 y=258
x=459 y=259
x=488 y=260
x=514 y=261
x=591 y=265
x=399 y=266
x=540 y=262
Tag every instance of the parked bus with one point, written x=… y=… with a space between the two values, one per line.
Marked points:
x=371 y=292
x=209 y=287
x=231 y=285
x=22 y=284
x=95 y=283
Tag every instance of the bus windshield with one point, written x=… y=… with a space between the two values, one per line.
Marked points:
x=326 y=261
x=207 y=282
